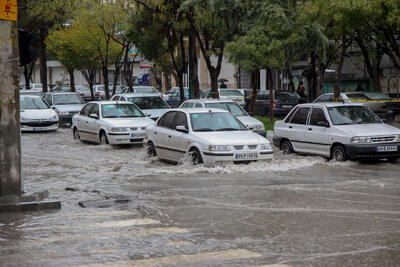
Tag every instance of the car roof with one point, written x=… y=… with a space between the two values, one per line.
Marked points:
x=30 y=96
x=331 y=104
x=63 y=93
x=210 y=100
x=199 y=110
x=139 y=94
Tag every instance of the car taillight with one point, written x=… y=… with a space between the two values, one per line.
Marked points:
x=274 y=105
x=81 y=94
x=97 y=93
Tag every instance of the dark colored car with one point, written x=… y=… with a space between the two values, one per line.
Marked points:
x=284 y=101
x=173 y=96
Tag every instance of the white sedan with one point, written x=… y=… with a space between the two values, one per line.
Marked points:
x=36 y=115
x=208 y=135
x=337 y=130
x=111 y=122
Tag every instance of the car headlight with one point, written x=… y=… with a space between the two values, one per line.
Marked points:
x=119 y=129
x=55 y=117
x=361 y=139
x=258 y=126
x=398 y=138
x=219 y=148
x=265 y=147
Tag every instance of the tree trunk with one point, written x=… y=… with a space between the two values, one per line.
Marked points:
x=313 y=78
x=321 y=78
x=255 y=76
x=72 y=80
x=271 y=95
x=339 y=69
x=180 y=84
x=214 y=83
x=104 y=70
x=167 y=81
x=43 y=59
x=116 y=77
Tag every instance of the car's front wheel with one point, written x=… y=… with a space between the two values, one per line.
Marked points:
x=196 y=156
x=103 y=138
x=76 y=134
x=151 y=150
x=339 y=153
x=286 y=147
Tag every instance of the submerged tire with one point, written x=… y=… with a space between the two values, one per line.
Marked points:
x=339 y=153
x=196 y=156
x=151 y=150
x=103 y=138
x=76 y=134
x=286 y=147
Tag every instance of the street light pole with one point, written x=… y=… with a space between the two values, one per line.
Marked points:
x=10 y=134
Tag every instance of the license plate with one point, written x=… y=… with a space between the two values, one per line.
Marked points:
x=137 y=135
x=386 y=149
x=246 y=156
x=39 y=129
x=287 y=106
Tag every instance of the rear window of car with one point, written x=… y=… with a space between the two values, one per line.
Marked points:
x=230 y=93
x=300 y=117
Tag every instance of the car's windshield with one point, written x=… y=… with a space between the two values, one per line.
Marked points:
x=145 y=90
x=233 y=108
x=148 y=102
x=230 y=92
x=68 y=99
x=120 y=111
x=215 y=121
x=32 y=103
x=377 y=96
x=345 y=115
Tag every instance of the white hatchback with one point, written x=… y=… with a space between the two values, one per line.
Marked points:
x=111 y=122
x=337 y=130
x=208 y=135
x=36 y=115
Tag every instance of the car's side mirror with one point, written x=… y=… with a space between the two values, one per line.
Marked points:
x=323 y=124
x=147 y=114
x=181 y=128
x=53 y=107
x=94 y=116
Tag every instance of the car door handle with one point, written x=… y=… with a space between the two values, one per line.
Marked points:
x=169 y=136
x=87 y=122
x=310 y=129
x=155 y=132
x=290 y=127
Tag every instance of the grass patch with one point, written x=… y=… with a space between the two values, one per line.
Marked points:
x=268 y=125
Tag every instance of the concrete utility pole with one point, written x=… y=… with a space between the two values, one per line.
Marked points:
x=10 y=134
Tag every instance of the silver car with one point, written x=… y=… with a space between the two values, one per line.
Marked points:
x=110 y=122
x=337 y=130
x=36 y=115
x=65 y=104
x=208 y=136
x=231 y=106
x=151 y=104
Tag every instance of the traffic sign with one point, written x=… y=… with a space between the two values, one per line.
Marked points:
x=8 y=9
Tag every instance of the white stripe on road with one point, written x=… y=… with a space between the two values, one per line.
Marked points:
x=233 y=254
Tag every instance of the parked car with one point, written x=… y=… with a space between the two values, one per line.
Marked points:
x=151 y=104
x=228 y=94
x=110 y=122
x=208 y=135
x=99 y=90
x=337 y=130
x=141 y=90
x=173 y=96
x=36 y=115
x=230 y=106
x=84 y=92
x=31 y=92
x=378 y=102
x=65 y=104
x=284 y=101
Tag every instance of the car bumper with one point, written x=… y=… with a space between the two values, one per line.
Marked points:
x=221 y=157
x=39 y=127
x=371 y=151
x=124 y=138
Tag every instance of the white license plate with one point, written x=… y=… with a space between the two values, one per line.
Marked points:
x=246 y=156
x=137 y=135
x=386 y=149
x=39 y=129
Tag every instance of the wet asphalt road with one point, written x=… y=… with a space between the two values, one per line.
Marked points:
x=296 y=210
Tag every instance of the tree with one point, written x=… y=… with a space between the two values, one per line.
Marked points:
x=40 y=16
x=214 y=23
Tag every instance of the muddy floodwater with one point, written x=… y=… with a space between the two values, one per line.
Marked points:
x=292 y=211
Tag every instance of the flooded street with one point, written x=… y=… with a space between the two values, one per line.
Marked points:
x=295 y=210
